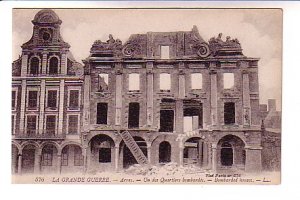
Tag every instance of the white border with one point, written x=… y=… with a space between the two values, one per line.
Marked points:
x=289 y=189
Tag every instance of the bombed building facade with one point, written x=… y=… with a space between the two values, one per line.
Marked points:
x=156 y=98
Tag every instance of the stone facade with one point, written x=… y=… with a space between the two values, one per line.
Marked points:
x=168 y=90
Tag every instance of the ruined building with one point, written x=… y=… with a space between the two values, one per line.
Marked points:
x=159 y=97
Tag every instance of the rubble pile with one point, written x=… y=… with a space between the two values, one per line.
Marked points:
x=164 y=169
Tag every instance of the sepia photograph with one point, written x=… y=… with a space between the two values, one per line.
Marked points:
x=146 y=96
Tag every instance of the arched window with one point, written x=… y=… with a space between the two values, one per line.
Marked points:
x=53 y=65
x=34 y=66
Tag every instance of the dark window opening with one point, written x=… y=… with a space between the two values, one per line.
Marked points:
x=102 y=113
x=134 y=112
x=226 y=154
x=31 y=125
x=32 y=99
x=229 y=113
x=164 y=152
x=52 y=99
x=53 y=66
x=105 y=155
x=166 y=120
x=50 y=124
x=13 y=99
x=34 y=66
x=74 y=99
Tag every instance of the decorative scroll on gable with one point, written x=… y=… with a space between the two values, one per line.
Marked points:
x=135 y=46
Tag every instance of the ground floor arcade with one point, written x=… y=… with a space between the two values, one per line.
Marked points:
x=106 y=151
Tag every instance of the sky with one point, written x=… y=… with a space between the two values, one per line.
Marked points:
x=258 y=30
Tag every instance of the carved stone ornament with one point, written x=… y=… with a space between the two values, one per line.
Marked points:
x=110 y=45
x=203 y=50
x=132 y=49
x=216 y=44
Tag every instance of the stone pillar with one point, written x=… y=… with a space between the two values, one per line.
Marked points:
x=61 y=106
x=85 y=159
x=209 y=156
x=214 y=157
x=44 y=63
x=149 y=94
x=42 y=107
x=59 y=163
x=181 y=148
x=119 y=98
x=181 y=84
x=23 y=106
x=179 y=116
x=253 y=159
x=63 y=64
x=117 y=158
x=37 y=161
x=24 y=65
x=246 y=100
x=205 y=154
x=214 y=98
x=20 y=164
x=200 y=153
x=86 y=105
x=149 y=152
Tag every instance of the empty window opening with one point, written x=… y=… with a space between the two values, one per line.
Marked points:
x=193 y=118
x=74 y=100
x=32 y=99
x=52 y=99
x=166 y=120
x=133 y=115
x=31 y=125
x=164 y=152
x=228 y=79
x=103 y=82
x=134 y=82
x=164 y=52
x=102 y=113
x=50 y=124
x=73 y=125
x=34 y=66
x=196 y=79
x=229 y=113
x=165 y=82
x=105 y=152
x=53 y=66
